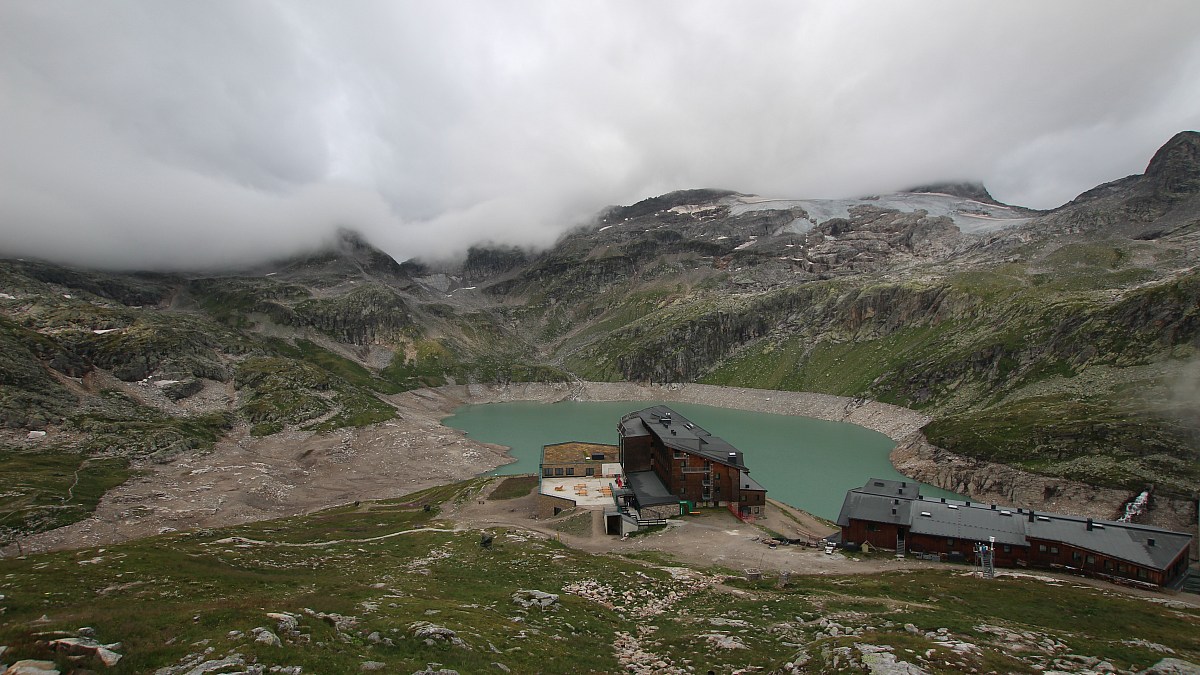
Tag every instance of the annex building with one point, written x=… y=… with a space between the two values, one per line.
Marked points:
x=893 y=514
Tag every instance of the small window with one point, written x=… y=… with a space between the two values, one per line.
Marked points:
x=872 y=527
x=1091 y=560
x=1007 y=548
x=570 y=471
x=1041 y=548
x=1054 y=549
x=547 y=472
x=1142 y=574
x=680 y=455
x=558 y=471
x=1121 y=568
x=1076 y=556
x=950 y=542
x=591 y=471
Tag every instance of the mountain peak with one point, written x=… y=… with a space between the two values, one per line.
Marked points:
x=966 y=189
x=1175 y=168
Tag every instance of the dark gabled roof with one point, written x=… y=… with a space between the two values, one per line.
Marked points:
x=975 y=522
x=748 y=483
x=678 y=433
x=1127 y=541
x=648 y=488
x=875 y=508
x=897 y=502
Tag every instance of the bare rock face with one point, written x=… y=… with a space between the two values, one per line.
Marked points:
x=1174 y=171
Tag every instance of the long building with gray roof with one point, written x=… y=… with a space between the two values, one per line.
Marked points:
x=893 y=514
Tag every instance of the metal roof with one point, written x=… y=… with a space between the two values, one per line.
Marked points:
x=749 y=483
x=631 y=426
x=1127 y=541
x=648 y=488
x=678 y=433
x=975 y=522
x=875 y=508
x=898 y=503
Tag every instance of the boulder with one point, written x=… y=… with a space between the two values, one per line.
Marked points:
x=1172 y=667
x=371 y=666
x=86 y=646
x=32 y=667
x=432 y=634
x=265 y=637
x=532 y=598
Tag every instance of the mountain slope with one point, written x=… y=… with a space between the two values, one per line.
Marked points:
x=1057 y=341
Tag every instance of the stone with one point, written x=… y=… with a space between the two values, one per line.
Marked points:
x=263 y=636
x=725 y=641
x=84 y=646
x=432 y=634
x=284 y=622
x=532 y=598
x=204 y=668
x=1170 y=666
x=371 y=666
x=374 y=638
x=32 y=667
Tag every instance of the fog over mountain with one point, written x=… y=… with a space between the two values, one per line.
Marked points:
x=183 y=135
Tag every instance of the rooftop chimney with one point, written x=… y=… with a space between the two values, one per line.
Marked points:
x=1089 y=524
x=1149 y=542
x=1031 y=514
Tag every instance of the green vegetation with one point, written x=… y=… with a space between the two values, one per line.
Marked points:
x=335 y=364
x=280 y=391
x=577 y=524
x=45 y=490
x=515 y=487
x=385 y=565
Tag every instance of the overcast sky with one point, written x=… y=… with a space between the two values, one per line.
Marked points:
x=171 y=134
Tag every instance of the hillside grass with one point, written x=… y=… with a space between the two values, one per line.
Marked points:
x=388 y=564
x=45 y=490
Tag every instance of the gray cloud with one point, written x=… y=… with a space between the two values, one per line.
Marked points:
x=174 y=134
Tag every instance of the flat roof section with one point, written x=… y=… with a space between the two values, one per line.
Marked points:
x=593 y=493
x=576 y=451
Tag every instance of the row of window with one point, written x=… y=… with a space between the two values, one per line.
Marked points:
x=570 y=471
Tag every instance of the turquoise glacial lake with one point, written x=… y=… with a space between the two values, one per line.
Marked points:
x=805 y=462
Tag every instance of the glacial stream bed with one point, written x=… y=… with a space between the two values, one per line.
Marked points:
x=805 y=462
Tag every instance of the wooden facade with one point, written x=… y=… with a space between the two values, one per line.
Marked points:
x=693 y=465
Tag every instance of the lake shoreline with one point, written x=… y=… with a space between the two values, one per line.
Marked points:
x=913 y=455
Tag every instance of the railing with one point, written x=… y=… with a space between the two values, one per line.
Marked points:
x=696 y=469
x=734 y=508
